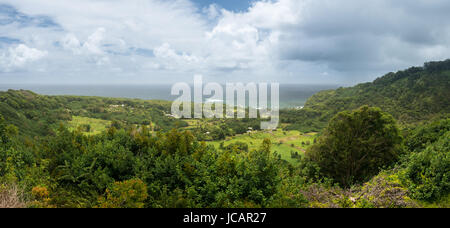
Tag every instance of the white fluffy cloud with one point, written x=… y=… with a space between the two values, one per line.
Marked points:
x=19 y=56
x=284 y=40
x=173 y=60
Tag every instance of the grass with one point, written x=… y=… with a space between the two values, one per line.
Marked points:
x=283 y=142
x=192 y=123
x=97 y=126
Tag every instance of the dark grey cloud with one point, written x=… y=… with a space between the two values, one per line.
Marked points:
x=373 y=36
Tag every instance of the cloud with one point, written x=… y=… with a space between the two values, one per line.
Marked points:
x=94 y=41
x=171 y=59
x=304 y=41
x=94 y=48
x=19 y=56
x=212 y=11
x=97 y=36
x=70 y=42
x=364 y=34
x=357 y=40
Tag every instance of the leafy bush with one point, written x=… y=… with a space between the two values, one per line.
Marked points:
x=126 y=194
x=355 y=145
x=428 y=172
x=421 y=137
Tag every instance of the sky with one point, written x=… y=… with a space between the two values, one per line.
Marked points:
x=168 y=41
x=231 y=5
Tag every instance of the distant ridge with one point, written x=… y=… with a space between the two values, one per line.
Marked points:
x=40 y=115
x=414 y=95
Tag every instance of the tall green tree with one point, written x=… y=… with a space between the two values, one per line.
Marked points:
x=356 y=144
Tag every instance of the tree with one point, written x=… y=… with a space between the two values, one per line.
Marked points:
x=3 y=138
x=356 y=144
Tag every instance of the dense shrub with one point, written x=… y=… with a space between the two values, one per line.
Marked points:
x=428 y=172
x=422 y=136
x=355 y=145
x=126 y=194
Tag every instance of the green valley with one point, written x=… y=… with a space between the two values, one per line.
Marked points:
x=384 y=144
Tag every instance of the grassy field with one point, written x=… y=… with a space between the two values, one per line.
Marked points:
x=193 y=123
x=283 y=142
x=89 y=126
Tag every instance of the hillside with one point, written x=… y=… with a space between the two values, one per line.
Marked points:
x=414 y=95
x=39 y=115
x=99 y=158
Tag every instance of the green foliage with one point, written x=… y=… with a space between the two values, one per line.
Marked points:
x=283 y=142
x=219 y=129
x=126 y=194
x=129 y=153
x=304 y=120
x=422 y=136
x=88 y=126
x=238 y=146
x=428 y=172
x=75 y=170
x=411 y=96
x=38 y=115
x=13 y=157
x=289 y=193
x=34 y=114
x=355 y=145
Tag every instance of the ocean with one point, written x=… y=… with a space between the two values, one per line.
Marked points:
x=291 y=95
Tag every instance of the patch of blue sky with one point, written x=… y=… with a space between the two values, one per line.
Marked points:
x=231 y=5
x=144 y=52
x=10 y=15
x=9 y=40
x=109 y=48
